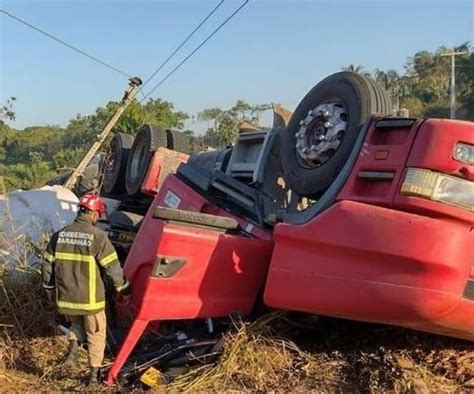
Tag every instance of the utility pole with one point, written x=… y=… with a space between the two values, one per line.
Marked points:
x=453 y=54
x=129 y=95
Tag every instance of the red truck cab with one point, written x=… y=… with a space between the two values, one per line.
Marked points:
x=387 y=238
x=396 y=246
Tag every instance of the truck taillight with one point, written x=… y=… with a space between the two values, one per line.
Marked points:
x=439 y=187
x=464 y=153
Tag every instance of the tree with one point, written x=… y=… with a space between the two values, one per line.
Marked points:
x=132 y=119
x=257 y=110
x=45 y=140
x=415 y=106
x=6 y=110
x=429 y=75
x=67 y=159
x=211 y=114
x=226 y=122
x=393 y=84
x=162 y=112
x=228 y=127
x=35 y=154
x=240 y=110
x=28 y=176
x=356 y=69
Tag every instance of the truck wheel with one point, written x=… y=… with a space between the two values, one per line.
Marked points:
x=324 y=128
x=213 y=160
x=177 y=141
x=125 y=219
x=114 y=174
x=148 y=139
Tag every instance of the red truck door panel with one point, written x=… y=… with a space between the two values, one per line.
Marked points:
x=377 y=255
x=369 y=263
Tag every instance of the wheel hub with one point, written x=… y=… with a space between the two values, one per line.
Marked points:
x=321 y=133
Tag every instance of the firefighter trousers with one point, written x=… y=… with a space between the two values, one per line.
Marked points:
x=90 y=329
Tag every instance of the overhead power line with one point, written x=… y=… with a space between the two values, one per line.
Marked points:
x=182 y=43
x=194 y=51
x=91 y=57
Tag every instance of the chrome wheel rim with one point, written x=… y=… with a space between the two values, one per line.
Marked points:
x=321 y=133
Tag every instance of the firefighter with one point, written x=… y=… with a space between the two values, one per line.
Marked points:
x=74 y=260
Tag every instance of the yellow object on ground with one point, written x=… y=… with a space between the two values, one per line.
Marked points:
x=152 y=378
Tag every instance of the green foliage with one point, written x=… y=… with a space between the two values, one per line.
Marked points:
x=415 y=106
x=162 y=113
x=430 y=76
x=37 y=154
x=424 y=89
x=226 y=123
x=228 y=127
x=32 y=156
x=355 y=69
x=29 y=175
x=6 y=111
x=67 y=159
x=43 y=140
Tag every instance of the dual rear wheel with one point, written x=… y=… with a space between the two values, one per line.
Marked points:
x=314 y=146
x=129 y=157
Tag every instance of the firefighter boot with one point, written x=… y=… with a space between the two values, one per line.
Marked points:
x=71 y=359
x=93 y=377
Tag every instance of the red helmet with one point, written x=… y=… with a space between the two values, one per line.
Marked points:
x=92 y=202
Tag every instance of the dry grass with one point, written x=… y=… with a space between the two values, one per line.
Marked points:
x=31 y=354
x=278 y=352
x=257 y=357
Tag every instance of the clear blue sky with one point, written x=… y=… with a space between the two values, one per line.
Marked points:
x=272 y=51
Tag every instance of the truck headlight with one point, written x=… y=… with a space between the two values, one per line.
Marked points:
x=464 y=153
x=439 y=187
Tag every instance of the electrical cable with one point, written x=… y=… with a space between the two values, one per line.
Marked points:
x=91 y=57
x=182 y=43
x=195 y=50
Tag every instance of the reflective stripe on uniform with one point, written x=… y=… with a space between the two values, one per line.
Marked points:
x=74 y=257
x=104 y=262
x=82 y=258
x=92 y=280
x=84 y=307
x=48 y=257
x=48 y=287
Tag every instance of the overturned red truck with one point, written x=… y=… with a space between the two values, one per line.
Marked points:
x=344 y=211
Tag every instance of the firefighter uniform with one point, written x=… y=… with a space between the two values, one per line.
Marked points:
x=73 y=263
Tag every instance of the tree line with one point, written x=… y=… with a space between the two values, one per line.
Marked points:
x=30 y=157
x=424 y=86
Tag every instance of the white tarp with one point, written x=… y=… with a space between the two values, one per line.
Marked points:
x=31 y=214
x=28 y=217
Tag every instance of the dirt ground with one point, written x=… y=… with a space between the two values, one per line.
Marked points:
x=276 y=353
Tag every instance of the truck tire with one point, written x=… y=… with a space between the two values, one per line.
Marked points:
x=324 y=128
x=114 y=174
x=177 y=141
x=148 y=139
x=125 y=219
x=213 y=160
